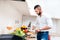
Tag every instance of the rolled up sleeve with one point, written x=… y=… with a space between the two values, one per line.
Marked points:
x=49 y=22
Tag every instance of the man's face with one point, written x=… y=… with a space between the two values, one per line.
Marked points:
x=38 y=10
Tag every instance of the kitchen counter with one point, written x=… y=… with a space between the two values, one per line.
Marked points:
x=9 y=37
x=31 y=39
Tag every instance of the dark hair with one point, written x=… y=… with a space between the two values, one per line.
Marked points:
x=36 y=6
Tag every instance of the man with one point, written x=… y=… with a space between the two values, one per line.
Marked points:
x=43 y=24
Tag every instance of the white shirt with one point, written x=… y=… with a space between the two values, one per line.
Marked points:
x=43 y=21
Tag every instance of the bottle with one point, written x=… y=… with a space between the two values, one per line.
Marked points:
x=29 y=26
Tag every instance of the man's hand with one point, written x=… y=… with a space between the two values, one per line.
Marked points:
x=46 y=28
x=38 y=30
x=33 y=27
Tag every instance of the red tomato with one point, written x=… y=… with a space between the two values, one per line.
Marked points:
x=25 y=31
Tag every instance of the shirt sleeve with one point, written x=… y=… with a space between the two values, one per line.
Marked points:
x=49 y=22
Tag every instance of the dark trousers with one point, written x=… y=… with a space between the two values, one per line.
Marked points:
x=42 y=35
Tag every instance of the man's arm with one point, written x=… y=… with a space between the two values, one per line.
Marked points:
x=49 y=24
x=45 y=28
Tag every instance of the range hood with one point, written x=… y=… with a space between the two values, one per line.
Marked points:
x=21 y=7
x=12 y=0
x=18 y=0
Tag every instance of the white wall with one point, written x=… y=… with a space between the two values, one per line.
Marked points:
x=49 y=7
x=8 y=16
x=27 y=19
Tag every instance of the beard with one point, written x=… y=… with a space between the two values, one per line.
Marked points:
x=39 y=14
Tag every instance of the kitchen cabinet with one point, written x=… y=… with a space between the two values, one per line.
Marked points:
x=56 y=23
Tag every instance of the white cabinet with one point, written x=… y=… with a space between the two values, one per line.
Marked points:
x=56 y=23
